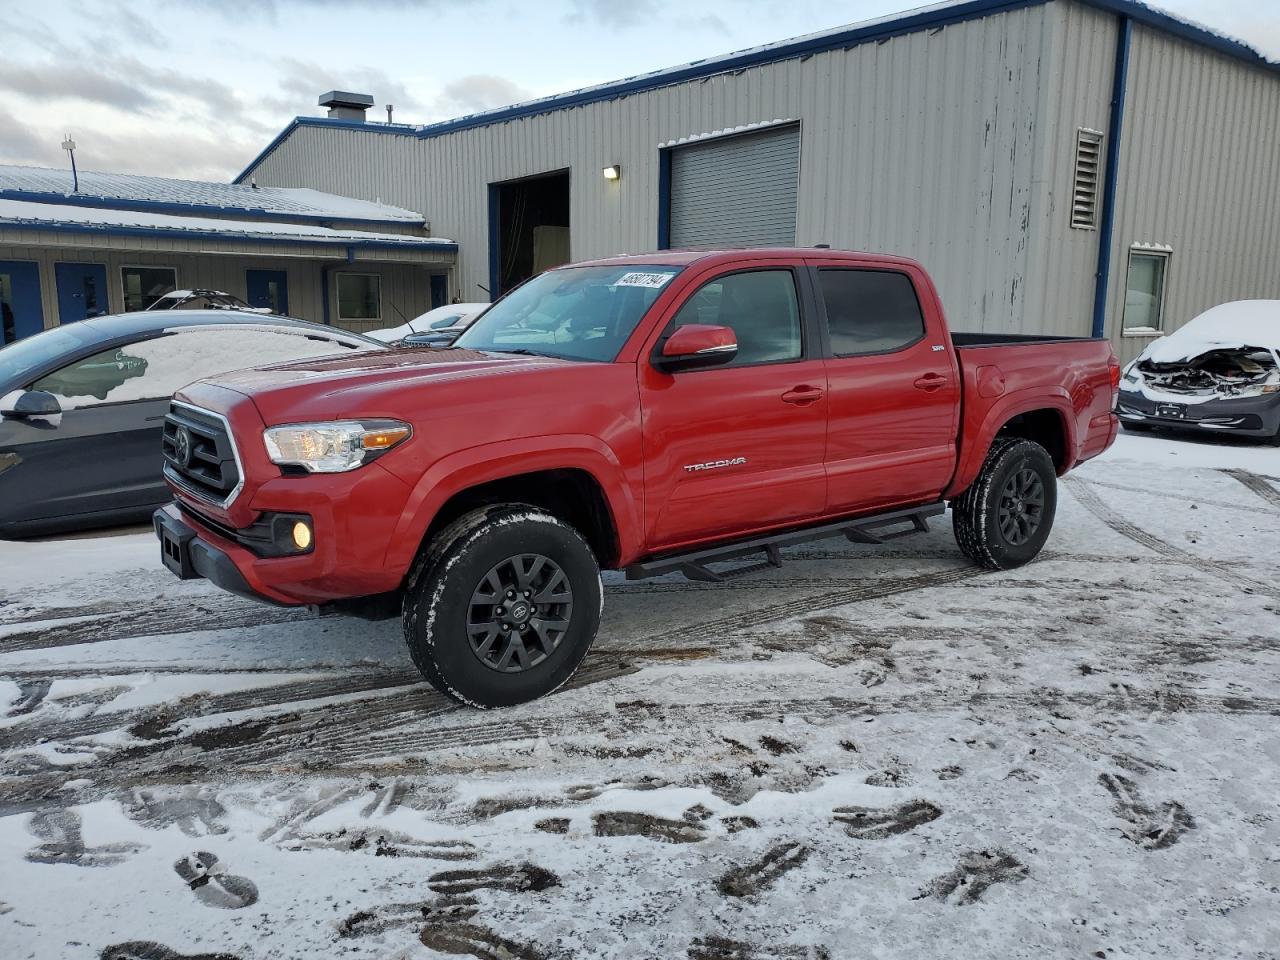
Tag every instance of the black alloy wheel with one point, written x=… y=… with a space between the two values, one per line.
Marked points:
x=1021 y=507
x=519 y=613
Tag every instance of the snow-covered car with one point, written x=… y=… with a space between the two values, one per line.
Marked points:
x=203 y=300
x=1220 y=373
x=82 y=407
x=442 y=324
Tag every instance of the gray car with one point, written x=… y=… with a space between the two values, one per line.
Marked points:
x=82 y=406
x=1220 y=373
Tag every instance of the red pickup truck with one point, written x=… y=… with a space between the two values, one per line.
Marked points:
x=663 y=413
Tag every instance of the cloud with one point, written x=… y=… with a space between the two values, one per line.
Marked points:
x=301 y=84
x=145 y=150
x=480 y=91
x=641 y=13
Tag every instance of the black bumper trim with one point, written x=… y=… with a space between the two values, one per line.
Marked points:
x=190 y=558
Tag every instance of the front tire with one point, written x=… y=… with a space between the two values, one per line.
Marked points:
x=1004 y=518
x=503 y=606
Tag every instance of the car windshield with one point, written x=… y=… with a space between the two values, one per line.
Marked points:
x=577 y=313
x=27 y=355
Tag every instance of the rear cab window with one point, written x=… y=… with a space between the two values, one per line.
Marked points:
x=869 y=311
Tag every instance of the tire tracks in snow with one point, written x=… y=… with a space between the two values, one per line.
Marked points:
x=210 y=613
x=1085 y=495
x=1257 y=484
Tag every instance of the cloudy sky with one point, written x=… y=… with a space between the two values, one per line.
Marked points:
x=187 y=88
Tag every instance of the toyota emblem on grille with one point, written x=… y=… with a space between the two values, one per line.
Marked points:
x=182 y=447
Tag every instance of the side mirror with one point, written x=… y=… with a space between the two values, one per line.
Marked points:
x=697 y=345
x=22 y=404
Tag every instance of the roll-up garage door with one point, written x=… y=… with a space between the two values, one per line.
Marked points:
x=737 y=191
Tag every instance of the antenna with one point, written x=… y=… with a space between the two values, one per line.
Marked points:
x=69 y=145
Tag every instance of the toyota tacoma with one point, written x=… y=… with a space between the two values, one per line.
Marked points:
x=682 y=412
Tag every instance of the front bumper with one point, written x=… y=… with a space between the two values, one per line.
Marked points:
x=1241 y=416
x=191 y=558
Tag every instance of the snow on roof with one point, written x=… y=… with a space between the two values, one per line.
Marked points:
x=44 y=216
x=127 y=189
x=1228 y=326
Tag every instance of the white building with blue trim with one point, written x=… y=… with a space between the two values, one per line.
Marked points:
x=77 y=246
x=1060 y=166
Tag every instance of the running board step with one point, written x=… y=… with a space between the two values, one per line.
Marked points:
x=874 y=529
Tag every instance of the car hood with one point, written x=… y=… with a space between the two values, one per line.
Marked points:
x=1228 y=326
x=365 y=383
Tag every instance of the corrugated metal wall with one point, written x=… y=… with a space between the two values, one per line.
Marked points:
x=1079 y=54
x=405 y=287
x=922 y=144
x=1199 y=172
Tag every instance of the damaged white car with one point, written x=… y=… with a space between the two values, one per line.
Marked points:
x=1218 y=373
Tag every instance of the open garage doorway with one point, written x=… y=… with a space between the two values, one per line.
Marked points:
x=528 y=228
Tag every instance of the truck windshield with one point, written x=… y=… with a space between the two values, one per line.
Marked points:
x=578 y=313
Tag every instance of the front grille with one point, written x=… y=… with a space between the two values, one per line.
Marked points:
x=209 y=468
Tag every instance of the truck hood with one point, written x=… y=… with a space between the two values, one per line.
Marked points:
x=365 y=383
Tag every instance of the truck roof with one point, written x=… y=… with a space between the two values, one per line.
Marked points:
x=684 y=258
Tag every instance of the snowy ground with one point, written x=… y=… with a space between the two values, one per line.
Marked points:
x=868 y=753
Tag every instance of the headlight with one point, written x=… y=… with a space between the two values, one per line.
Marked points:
x=333 y=447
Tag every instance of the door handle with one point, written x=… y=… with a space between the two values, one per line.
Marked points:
x=802 y=395
x=931 y=382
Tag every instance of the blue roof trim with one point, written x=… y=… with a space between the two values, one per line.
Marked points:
x=120 y=231
x=169 y=206
x=758 y=56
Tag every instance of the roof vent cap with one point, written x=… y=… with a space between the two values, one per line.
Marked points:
x=346 y=106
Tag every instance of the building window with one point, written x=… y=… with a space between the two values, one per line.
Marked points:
x=143 y=286
x=359 y=296
x=1144 y=291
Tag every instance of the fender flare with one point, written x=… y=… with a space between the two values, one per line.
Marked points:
x=974 y=452
x=486 y=462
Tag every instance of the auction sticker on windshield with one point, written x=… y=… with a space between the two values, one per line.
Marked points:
x=643 y=279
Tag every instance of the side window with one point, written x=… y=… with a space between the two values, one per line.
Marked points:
x=97 y=377
x=762 y=309
x=870 y=311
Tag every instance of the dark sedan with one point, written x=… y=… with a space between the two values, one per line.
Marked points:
x=82 y=406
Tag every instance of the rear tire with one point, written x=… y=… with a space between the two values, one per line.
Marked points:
x=503 y=606
x=1004 y=518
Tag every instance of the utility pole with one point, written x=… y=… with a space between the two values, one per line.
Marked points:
x=69 y=145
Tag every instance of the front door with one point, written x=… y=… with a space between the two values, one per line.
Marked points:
x=82 y=290
x=894 y=388
x=738 y=447
x=21 y=313
x=270 y=289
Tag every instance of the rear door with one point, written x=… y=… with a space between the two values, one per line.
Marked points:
x=737 y=447
x=894 y=389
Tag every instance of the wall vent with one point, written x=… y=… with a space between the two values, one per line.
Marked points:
x=1084 y=188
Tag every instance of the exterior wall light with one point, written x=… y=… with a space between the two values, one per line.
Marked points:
x=613 y=172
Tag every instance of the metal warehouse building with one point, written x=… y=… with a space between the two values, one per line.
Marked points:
x=1058 y=166
x=74 y=247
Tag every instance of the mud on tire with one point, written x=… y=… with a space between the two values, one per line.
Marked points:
x=1004 y=518
x=502 y=606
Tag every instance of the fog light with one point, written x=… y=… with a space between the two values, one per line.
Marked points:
x=302 y=535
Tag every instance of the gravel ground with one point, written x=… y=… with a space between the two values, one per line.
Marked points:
x=865 y=753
